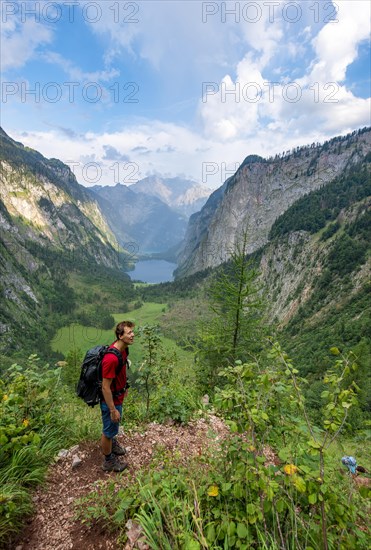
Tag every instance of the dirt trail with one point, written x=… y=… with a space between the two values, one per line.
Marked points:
x=52 y=527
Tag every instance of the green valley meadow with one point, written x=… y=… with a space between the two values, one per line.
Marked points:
x=273 y=342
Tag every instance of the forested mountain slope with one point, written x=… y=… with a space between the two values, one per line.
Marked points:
x=259 y=192
x=314 y=275
x=49 y=225
x=316 y=269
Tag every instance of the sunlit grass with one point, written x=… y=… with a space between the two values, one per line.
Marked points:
x=77 y=336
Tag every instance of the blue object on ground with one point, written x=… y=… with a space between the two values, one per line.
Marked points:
x=350 y=462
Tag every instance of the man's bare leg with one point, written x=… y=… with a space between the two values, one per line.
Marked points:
x=106 y=445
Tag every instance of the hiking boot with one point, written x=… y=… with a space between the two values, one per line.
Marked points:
x=117 y=449
x=114 y=465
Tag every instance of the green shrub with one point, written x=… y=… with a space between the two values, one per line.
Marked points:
x=15 y=505
x=134 y=410
x=38 y=417
x=330 y=230
x=173 y=402
x=237 y=498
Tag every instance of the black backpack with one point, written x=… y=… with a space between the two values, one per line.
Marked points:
x=89 y=387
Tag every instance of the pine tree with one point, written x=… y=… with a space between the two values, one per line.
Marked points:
x=234 y=331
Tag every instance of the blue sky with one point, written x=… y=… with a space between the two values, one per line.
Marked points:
x=120 y=90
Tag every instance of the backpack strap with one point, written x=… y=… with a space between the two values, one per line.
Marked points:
x=119 y=368
x=118 y=354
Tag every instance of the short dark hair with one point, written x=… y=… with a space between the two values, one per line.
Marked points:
x=120 y=328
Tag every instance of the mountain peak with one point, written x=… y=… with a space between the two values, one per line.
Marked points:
x=185 y=196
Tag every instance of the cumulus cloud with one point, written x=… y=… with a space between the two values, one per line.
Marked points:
x=111 y=153
x=20 y=42
x=259 y=87
x=337 y=43
x=201 y=160
x=316 y=102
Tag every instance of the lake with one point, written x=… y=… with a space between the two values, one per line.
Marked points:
x=153 y=271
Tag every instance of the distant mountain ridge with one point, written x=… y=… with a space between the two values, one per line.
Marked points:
x=258 y=193
x=185 y=196
x=152 y=214
x=140 y=220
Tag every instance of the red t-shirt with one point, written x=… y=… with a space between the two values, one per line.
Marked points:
x=109 y=365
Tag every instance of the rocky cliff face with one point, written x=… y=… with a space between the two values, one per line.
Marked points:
x=44 y=196
x=317 y=287
x=290 y=270
x=48 y=223
x=20 y=299
x=259 y=192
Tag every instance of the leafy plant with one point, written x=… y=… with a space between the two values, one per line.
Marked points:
x=269 y=404
x=174 y=402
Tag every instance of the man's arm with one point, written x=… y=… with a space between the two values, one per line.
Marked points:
x=107 y=394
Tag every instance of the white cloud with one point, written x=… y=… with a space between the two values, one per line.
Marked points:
x=20 y=42
x=156 y=147
x=336 y=43
x=315 y=103
x=151 y=147
x=232 y=111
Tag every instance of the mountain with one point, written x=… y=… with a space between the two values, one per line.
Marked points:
x=314 y=273
x=49 y=224
x=44 y=197
x=141 y=222
x=184 y=196
x=258 y=193
x=316 y=268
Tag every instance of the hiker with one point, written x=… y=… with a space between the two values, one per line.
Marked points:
x=114 y=390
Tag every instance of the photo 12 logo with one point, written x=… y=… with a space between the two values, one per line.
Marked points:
x=252 y=12
x=218 y=172
x=69 y=11
x=253 y=92
x=92 y=172
x=53 y=92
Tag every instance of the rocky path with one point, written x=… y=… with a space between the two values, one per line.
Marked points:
x=53 y=526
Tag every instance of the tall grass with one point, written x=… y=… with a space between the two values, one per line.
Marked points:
x=39 y=416
x=78 y=336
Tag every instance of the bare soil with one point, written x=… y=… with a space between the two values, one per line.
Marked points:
x=53 y=527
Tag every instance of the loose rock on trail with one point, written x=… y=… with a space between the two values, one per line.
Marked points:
x=52 y=527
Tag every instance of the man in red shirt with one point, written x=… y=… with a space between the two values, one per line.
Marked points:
x=114 y=390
